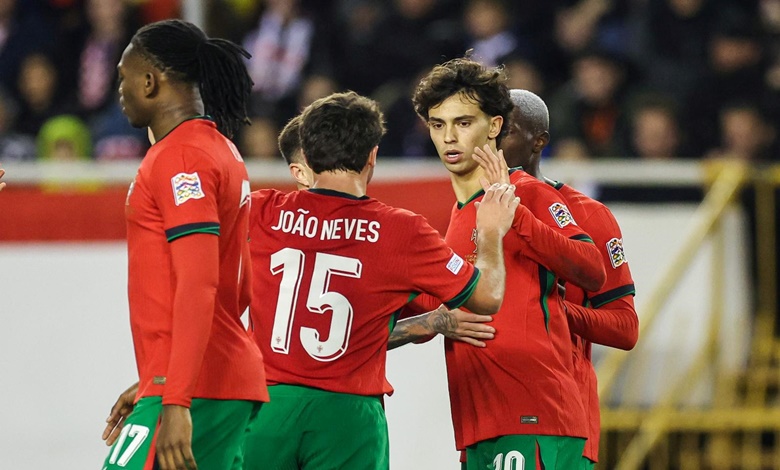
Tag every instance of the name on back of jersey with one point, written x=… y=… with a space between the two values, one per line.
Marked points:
x=305 y=225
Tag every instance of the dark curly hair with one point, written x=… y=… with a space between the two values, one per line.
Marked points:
x=339 y=131
x=486 y=86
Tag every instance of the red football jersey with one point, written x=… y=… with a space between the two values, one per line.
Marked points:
x=331 y=271
x=191 y=181
x=596 y=219
x=521 y=383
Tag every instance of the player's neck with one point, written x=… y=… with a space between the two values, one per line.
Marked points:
x=169 y=116
x=535 y=171
x=342 y=181
x=467 y=184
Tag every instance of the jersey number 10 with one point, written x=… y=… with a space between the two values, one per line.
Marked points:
x=290 y=263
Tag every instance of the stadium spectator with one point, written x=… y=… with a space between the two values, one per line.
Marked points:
x=22 y=30
x=655 y=130
x=64 y=138
x=285 y=48
x=13 y=146
x=413 y=35
x=745 y=134
x=99 y=49
x=38 y=85
x=488 y=27
x=580 y=23
x=523 y=74
x=590 y=108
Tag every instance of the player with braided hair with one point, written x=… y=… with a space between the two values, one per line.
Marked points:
x=201 y=376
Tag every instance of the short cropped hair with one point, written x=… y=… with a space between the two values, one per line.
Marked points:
x=290 y=141
x=339 y=131
x=486 y=86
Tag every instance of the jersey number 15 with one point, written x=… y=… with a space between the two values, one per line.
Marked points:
x=290 y=263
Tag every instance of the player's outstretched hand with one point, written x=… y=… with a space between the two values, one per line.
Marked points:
x=2 y=185
x=119 y=412
x=495 y=167
x=496 y=211
x=463 y=326
x=174 y=439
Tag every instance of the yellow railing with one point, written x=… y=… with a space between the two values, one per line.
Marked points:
x=740 y=429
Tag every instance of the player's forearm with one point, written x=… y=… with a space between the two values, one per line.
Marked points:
x=576 y=261
x=197 y=278
x=614 y=324
x=411 y=330
x=489 y=293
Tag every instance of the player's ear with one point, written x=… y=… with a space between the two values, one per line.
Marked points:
x=496 y=122
x=299 y=174
x=541 y=141
x=372 y=156
x=151 y=83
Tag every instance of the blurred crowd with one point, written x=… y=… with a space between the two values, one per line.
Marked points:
x=654 y=79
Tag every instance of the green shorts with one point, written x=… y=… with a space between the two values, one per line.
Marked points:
x=307 y=428
x=526 y=452
x=588 y=464
x=218 y=429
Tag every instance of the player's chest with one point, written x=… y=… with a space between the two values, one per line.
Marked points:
x=463 y=237
x=140 y=207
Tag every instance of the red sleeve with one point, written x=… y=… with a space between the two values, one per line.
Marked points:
x=433 y=268
x=197 y=278
x=184 y=183
x=423 y=303
x=553 y=239
x=614 y=324
x=610 y=318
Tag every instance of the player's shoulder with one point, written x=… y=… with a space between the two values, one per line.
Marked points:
x=393 y=213
x=527 y=184
x=263 y=196
x=576 y=198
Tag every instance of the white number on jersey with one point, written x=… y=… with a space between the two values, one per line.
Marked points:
x=513 y=460
x=290 y=263
x=135 y=431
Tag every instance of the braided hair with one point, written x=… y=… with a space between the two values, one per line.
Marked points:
x=185 y=53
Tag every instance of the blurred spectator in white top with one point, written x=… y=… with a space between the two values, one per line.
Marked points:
x=488 y=28
x=280 y=48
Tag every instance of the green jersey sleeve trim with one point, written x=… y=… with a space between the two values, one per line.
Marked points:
x=467 y=291
x=583 y=238
x=187 y=229
x=610 y=295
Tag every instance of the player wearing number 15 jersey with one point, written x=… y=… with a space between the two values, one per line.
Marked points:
x=331 y=268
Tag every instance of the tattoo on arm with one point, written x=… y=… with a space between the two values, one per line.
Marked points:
x=443 y=322
x=407 y=331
